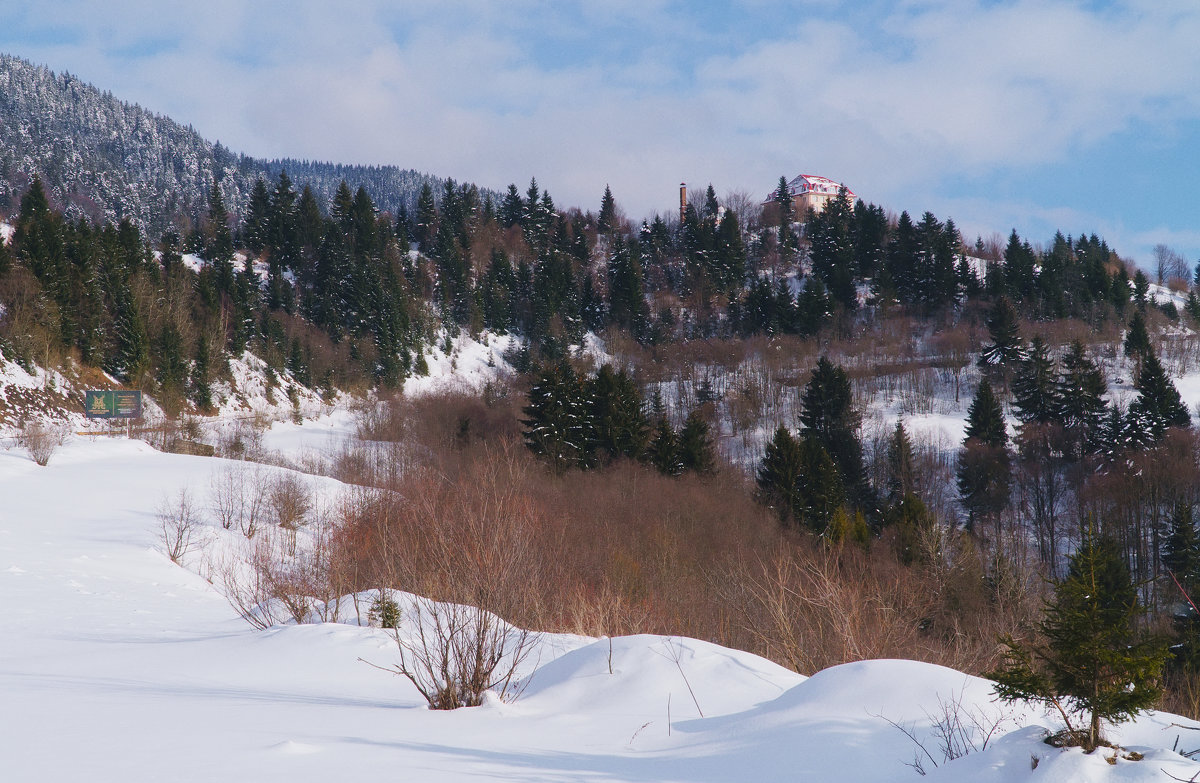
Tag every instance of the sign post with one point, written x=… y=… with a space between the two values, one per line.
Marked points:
x=112 y=404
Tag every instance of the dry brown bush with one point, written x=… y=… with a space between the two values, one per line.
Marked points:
x=41 y=440
x=627 y=550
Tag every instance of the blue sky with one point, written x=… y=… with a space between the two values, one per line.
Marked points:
x=1039 y=116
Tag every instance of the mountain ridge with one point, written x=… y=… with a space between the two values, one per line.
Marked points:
x=103 y=158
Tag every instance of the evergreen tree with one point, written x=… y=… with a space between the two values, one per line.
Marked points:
x=1005 y=349
x=1094 y=661
x=664 y=449
x=1137 y=338
x=1035 y=388
x=618 y=425
x=901 y=465
x=831 y=248
x=1158 y=405
x=1141 y=290
x=218 y=244
x=511 y=208
x=607 y=220
x=556 y=422
x=813 y=308
x=1181 y=557
x=426 y=217
x=626 y=298
x=800 y=480
x=1020 y=263
x=829 y=418
x=258 y=212
x=1081 y=404
x=786 y=215
x=696 y=451
x=984 y=464
x=201 y=391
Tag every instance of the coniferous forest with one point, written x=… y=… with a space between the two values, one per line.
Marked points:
x=757 y=433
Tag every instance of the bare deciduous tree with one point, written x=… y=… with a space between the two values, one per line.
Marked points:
x=178 y=522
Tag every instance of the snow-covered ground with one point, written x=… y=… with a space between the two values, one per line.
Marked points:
x=118 y=665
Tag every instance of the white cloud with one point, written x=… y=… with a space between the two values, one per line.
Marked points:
x=880 y=96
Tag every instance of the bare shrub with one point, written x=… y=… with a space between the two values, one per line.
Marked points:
x=243 y=582
x=453 y=654
x=41 y=440
x=290 y=500
x=957 y=729
x=178 y=523
x=239 y=497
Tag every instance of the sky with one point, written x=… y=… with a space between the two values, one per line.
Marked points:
x=1031 y=115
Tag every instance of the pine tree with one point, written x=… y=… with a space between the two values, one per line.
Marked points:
x=1081 y=404
x=555 y=422
x=786 y=216
x=1181 y=557
x=1005 y=349
x=1137 y=338
x=618 y=426
x=201 y=392
x=696 y=451
x=607 y=220
x=828 y=417
x=984 y=464
x=800 y=480
x=1035 y=389
x=901 y=464
x=664 y=449
x=1094 y=661
x=1158 y=405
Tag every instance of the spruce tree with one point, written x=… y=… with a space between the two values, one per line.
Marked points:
x=664 y=449
x=201 y=392
x=786 y=215
x=607 y=220
x=1181 y=557
x=1158 y=405
x=1093 y=661
x=984 y=464
x=218 y=244
x=1034 y=386
x=258 y=211
x=556 y=425
x=618 y=426
x=828 y=417
x=1081 y=404
x=696 y=451
x=800 y=480
x=1137 y=338
x=1005 y=349
x=901 y=464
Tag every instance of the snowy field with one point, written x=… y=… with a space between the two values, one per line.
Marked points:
x=118 y=665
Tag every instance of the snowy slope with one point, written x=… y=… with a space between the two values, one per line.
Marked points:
x=118 y=665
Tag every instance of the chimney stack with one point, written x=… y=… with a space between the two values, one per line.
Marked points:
x=682 y=200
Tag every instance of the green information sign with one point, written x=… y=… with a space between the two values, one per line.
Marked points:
x=112 y=404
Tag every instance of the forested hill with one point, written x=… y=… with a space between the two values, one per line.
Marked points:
x=107 y=159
